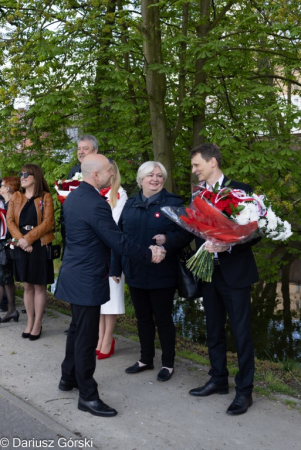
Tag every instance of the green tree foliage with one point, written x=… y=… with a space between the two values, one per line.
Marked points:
x=152 y=79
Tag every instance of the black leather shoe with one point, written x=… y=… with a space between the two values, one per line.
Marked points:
x=164 y=375
x=240 y=405
x=25 y=335
x=210 y=388
x=67 y=385
x=35 y=337
x=136 y=368
x=96 y=407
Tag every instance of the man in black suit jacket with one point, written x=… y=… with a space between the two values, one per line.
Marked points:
x=229 y=292
x=83 y=280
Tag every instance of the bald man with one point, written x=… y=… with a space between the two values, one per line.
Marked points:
x=83 y=281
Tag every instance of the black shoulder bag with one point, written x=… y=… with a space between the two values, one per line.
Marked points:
x=189 y=286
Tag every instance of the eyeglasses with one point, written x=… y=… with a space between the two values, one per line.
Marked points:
x=24 y=174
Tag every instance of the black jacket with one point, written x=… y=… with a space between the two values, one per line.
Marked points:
x=141 y=223
x=91 y=233
x=238 y=267
x=73 y=171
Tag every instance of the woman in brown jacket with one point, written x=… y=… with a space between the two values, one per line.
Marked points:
x=30 y=220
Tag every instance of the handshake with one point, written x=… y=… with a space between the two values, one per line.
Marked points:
x=158 y=253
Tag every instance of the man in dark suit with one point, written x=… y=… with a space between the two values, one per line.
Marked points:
x=83 y=281
x=229 y=292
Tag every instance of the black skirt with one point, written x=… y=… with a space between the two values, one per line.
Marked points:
x=34 y=267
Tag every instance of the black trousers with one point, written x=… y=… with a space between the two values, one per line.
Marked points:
x=80 y=359
x=155 y=305
x=220 y=299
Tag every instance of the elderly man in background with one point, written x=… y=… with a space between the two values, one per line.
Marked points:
x=83 y=281
x=86 y=145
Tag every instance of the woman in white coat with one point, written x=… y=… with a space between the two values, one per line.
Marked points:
x=116 y=197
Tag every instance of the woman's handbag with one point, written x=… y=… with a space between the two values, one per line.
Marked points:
x=53 y=251
x=189 y=286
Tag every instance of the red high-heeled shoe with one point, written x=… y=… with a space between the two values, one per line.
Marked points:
x=113 y=347
x=107 y=355
x=97 y=352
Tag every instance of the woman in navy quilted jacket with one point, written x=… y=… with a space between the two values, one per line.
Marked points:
x=152 y=288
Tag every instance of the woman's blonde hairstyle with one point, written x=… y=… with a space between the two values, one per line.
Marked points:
x=115 y=185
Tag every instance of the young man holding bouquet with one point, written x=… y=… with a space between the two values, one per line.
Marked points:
x=229 y=292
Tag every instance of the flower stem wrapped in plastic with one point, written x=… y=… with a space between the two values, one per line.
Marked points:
x=223 y=217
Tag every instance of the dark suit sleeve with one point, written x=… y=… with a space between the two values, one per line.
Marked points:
x=177 y=239
x=112 y=236
x=237 y=248
x=73 y=171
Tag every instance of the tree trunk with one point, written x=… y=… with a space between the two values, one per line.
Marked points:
x=156 y=87
x=201 y=75
x=287 y=315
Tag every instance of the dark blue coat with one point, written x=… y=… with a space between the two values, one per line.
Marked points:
x=238 y=267
x=91 y=233
x=73 y=171
x=141 y=223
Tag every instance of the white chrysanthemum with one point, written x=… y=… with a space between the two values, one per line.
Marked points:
x=253 y=211
x=244 y=216
x=287 y=229
x=272 y=220
x=272 y=234
x=78 y=176
x=262 y=223
x=248 y=214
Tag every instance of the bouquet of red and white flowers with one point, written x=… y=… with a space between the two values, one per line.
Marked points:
x=64 y=187
x=226 y=216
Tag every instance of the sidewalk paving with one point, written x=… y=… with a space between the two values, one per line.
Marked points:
x=151 y=415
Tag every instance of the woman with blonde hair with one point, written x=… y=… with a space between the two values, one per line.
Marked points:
x=30 y=220
x=116 y=197
x=9 y=185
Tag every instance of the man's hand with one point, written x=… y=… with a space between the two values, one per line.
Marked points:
x=116 y=279
x=28 y=249
x=160 y=239
x=215 y=248
x=158 y=253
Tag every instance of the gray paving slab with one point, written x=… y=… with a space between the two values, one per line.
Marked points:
x=151 y=415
